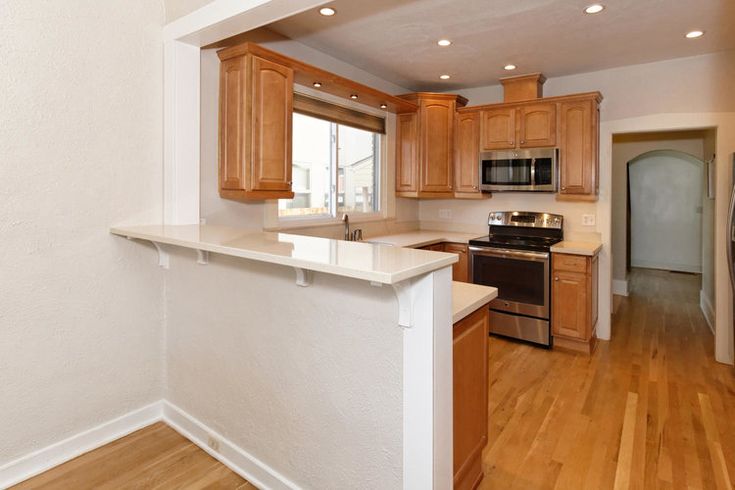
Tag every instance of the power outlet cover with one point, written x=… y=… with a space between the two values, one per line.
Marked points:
x=445 y=214
x=588 y=219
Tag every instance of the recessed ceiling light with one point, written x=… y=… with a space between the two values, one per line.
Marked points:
x=353 y=96
x=695 y=34
x=594 y=9
x=444 y=77
x=444 y=42
x=383 y=106
x=327 y=11
x=509 y=67
x=317 y=84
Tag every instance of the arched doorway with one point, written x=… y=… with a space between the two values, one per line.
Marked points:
x=665 y=192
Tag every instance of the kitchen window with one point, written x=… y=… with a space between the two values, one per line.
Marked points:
x=336 y=162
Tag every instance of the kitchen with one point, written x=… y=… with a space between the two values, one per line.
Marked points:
x=350 y=349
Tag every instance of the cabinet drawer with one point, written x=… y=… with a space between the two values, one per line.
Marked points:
x=571 y=263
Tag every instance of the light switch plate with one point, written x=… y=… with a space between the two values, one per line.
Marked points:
x=588 y=219
x=445 y=214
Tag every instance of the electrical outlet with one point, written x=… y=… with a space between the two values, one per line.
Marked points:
x=213 y=443
x=445 y=214
x=588 y=219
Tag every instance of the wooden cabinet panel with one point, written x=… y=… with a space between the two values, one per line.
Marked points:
x=498 y=128
x=460 y=270
x=231 y=134
x=407 y=153
x=256 y=104
x=470 y=373
x=570 y=304
x=467 y=153
x=437 y=247
x=436 y=156
x=537 y=125
x=272 y=107
x=578 y=158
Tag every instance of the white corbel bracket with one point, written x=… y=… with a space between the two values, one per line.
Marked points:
x=404 y=293
x=163 y=257
x=304 y=277
x=202 y=257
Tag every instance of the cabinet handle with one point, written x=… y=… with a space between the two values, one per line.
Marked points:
x=556 y=278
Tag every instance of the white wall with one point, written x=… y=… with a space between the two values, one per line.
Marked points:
x=308 y=380
x=80 y=146
x=666 y=211
x=708 y=300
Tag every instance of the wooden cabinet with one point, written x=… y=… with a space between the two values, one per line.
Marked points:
x=460 y=270
x=467 y=156
x=498 y=128
x=256 y=104
x=574 y=301
x=537 y=125
x=407 y=144
x=578 y=148
x=429 y=170
x=523 y=126
x=470 y=373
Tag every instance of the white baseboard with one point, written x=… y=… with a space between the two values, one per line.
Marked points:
x=667 y=266
x=707 y=310
x=229 y=454
x=232 y=456
x=46 y=458
x=620 y=287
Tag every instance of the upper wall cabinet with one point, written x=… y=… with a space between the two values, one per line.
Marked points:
x=526 y=126
x=578 y=148
x=425 y=155
x=256 y=105
x=466 y=156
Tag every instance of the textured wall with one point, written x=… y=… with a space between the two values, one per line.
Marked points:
x=308 y=380
x=180 y=8
x=80 y=146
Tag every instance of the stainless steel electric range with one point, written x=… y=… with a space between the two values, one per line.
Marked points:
x=515 y=258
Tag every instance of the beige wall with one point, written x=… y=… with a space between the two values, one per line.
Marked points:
x=179 y=8
x=80 y=310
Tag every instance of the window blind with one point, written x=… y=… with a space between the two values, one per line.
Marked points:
x=310 y=106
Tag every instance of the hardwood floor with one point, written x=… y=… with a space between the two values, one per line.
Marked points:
x=156 y=457
x=649 y=409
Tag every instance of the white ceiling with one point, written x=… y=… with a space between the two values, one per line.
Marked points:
x=396 y=39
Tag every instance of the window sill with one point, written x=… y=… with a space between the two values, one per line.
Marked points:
x=316 y=222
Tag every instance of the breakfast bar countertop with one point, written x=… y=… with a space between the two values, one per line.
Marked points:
x=467 y=298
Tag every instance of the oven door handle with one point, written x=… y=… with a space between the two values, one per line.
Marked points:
x=512 y=254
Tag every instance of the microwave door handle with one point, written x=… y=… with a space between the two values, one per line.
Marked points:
x=533 y=172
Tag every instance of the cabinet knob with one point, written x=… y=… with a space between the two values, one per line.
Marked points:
x=556 y=278
x=563 y=188
x=512 y=142
x=474 y=187
x=523 y=142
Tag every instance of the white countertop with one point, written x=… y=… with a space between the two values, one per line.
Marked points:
x=415 y=239
x=359 y=260
x=467 y=298
x=577 y=248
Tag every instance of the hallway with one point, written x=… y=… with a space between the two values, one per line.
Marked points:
x=650 y=409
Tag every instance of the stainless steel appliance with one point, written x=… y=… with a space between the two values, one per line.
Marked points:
x=533 y=170
x=515 y=258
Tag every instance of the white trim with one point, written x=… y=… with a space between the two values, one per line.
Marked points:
x=620 y=287
x=46 y=458
x=709 y=312
x=234 y=457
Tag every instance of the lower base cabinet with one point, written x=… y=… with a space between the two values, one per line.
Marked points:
x=574 y=308
x=470 y=367
x=460 y=270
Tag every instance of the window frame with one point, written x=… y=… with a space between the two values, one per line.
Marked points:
x=274 y=222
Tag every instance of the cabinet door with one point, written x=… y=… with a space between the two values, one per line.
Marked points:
x=272 y=107
x=437 y=247
x=498 y=128
x=578 y=147
x=570 y=304
x=470 y=373
x=467 y=153
x=232 y=88
x=437 y=141
x=460 y=270
x=407 y=152
x=537 y=125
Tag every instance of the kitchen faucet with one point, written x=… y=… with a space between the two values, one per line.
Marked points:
x=356 y=235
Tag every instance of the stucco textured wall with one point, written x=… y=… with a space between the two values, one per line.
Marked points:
x=308 y=380
x=80 y=146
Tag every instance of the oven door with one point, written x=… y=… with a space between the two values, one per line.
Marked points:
x=522 y=279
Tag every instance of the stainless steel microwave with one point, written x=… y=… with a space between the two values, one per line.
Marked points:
x=532 y=170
